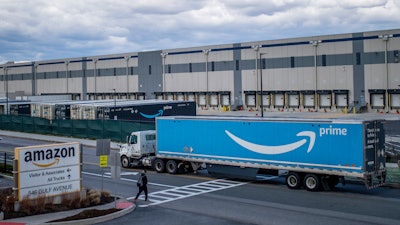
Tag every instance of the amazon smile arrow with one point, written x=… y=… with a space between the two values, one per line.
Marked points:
x=274 y=150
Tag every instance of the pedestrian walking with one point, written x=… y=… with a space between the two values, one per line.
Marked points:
x=142 y=185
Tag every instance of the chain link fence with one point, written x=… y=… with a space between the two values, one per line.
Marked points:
x=116 y=130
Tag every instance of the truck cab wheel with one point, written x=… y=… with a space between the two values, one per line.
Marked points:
x=311 y=182
x=124 y=162
x=159 y=165
x=293 y=180
x=172 y=167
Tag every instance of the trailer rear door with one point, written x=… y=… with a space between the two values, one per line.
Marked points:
x=374 y=146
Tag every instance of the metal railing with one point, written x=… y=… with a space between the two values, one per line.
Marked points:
x=6 y=162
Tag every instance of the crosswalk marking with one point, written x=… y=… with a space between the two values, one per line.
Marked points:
x=164 y=196
x=176 y=193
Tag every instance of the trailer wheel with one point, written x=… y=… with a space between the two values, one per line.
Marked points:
x=311 y=182
x=293 y=180
x=172 y=167
x=159 y=165
x=124 y=162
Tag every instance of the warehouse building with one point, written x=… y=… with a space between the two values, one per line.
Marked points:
x=342 y=72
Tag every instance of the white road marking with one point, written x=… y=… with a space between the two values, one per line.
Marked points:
x=160 y=197
x=129 y=180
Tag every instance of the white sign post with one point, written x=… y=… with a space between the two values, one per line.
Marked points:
x=48 y=170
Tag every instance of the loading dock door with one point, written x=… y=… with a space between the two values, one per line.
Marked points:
x=325 y=100
x=180 y=97
x=213 y=99
x=293 y=100
x=341 y=100
x=202 y=99
x=191 y=97
x=170 y=96
x=140 y=96
x=279 y=100
x=266 y=98
x=395 y=100
x=225 y=100
x=309 y=100
x=159 y=95
x=251 y=100
x=377 y=101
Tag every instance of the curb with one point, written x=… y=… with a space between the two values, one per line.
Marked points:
x=95 y=220
x=88 y=221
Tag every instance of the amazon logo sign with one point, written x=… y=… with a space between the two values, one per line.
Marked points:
x=52 y=154
x=48 y=156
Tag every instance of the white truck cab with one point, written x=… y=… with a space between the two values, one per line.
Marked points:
x=139 y=147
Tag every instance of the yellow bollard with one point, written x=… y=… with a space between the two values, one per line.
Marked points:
x=354 y=110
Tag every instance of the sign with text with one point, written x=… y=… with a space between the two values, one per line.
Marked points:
x=103 y=161
x=47 y=170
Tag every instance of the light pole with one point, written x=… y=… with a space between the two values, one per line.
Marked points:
x=66 y=74
x=115 y=98
x=385 y=38
x=95 y=78
x=315 y=44
x=163 y=55
x=206 y=52
x=115 y=104
x=261 y=85
x=256 y=48
x=6 y=87
x=35 y=79
x=127 y=76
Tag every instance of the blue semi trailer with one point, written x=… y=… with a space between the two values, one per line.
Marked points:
x=312 y=153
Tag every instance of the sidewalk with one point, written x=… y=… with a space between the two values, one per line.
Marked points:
x=87 y=142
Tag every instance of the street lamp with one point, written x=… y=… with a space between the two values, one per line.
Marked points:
x=261 y=85
x=95 y=77
x=206 y=52
x=6 y=87
x=256 y=49
x=385 y=38
x=127 y=75
x=115 y=98
x=66 y=74
x=315 y=44
x=163 y=55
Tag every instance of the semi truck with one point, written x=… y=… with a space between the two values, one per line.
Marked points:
x=311 y=153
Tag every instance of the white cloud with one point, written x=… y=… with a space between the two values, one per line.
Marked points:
x=42 y=29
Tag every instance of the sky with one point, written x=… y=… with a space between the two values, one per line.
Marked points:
x=35 y=30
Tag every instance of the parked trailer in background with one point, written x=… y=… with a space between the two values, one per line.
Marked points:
x=148 y=110
x=313 y=153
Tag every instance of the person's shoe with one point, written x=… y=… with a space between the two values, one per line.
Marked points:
x=134 y=200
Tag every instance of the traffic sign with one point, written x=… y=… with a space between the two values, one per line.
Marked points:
x=103 y=161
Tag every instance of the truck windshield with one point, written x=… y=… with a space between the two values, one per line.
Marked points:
x=133 y=139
